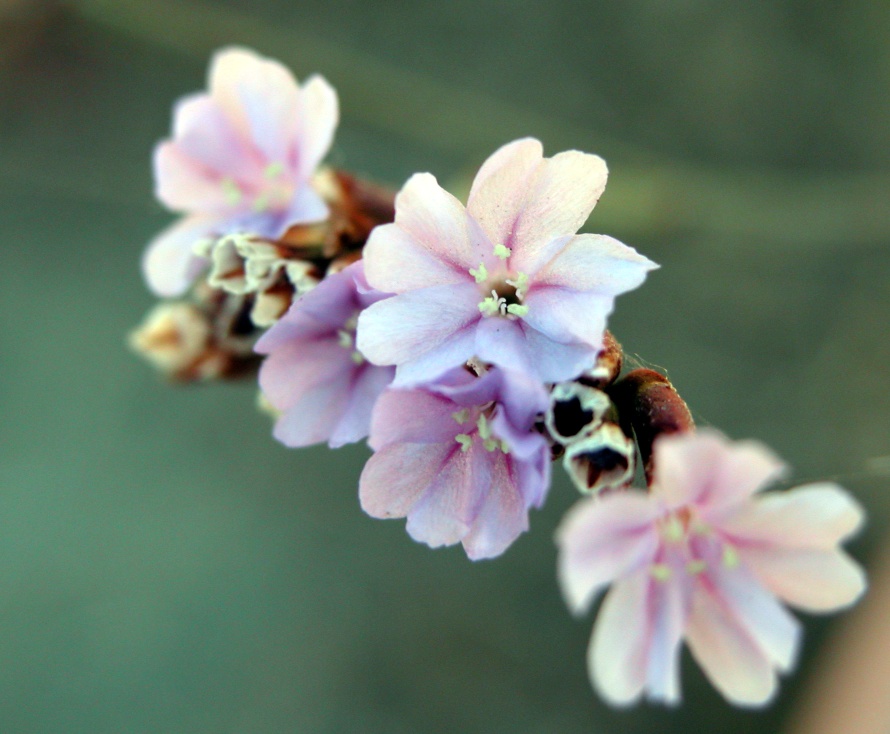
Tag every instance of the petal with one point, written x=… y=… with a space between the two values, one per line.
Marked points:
x=813 y=580
x=636 y=640
x=502 y=342
x=453 y=352
x=407 y=326
x=367 y=385
x=315 y=410
x=440 y=223
x=443 y=515
x=707 y=469
x=396 y=476
x=595 y=262
x=812 y=516
x=319 y=116
x=395 y=262
x=502 y=518
x=301 y=366
x=602 y=540
x=556 y=361
x=184 y=184
x=568 y=316
x=260 y=96
x=305 y=206
x=412 y=416
x=168 y=264
x=740 y=635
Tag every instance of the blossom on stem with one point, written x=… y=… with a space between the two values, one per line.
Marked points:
x=313 y=374
x=505 y=279
x=706 y=558
x=460 y=459
x=241 y=159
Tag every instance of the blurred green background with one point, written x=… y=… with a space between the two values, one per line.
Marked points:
x=165 y=566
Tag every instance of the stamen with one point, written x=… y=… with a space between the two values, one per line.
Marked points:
x=492 y=305
x=693 y=568
x=660 y=571
x=357 y=357
x=274 y=169
x=461 y=416
x=465 y=441
x=345 y=339
x=502 y=252
x=730 y=557
x=517 y=309
x=484 y=428
x=261 y=203
x=480 y=273
x=520 y=284
x=672 y=530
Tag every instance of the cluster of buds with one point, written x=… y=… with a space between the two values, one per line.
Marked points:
x=468 y=345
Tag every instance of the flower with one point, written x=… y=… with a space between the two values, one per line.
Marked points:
x=705 y=558
x=504 y=279
x=460 y=459
x=241 y=159
x=313 y=375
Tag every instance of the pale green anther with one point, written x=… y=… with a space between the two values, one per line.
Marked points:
x=461 y=416
x=505 y=447
x=273 y=169
x=490 y=306
x=672 y=530
x=464 y=440
x=261 y=203
x=484 y=427
x=231 y=190
x=490 y=444
x=344 y=339
x=660 y=571
x=517 y=309
x=520 y=284
x=693 y=568
x=480 y=273
x=357 y=357
x=502 y=252
x=730 y=557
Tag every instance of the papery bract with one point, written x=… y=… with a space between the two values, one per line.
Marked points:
x=505 y=279
x=705 y=558
x=460 y=459
x=241 y=159
x=313 y=375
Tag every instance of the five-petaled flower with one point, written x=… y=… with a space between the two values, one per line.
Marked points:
x=460 y=459
x=313 y=375
x=706 y=558
x=505 y=279
x=241 y=159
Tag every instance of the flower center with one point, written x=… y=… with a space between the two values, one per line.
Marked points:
x=507 y=291
x=275 y=191
x=683 y=534
x=480 y=427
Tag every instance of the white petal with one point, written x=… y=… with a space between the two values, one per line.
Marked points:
x=319 y=116
x=168 y=263
x=568 y=316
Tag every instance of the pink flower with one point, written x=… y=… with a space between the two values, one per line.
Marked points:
x=705 y=558
x=314 y=376
x=504 y=279
x=459 y=459
x=241 y=159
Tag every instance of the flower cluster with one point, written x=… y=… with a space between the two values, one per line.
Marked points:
x=468 y=344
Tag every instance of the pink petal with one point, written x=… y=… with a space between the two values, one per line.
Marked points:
x=183 y=183
x=260 y=96
x=812 y=516
x=601 y=540
x=305 y=206
x=437 y=221
x=397 y=475
x=168 y=264
x=568 y=316
x=556 y=361
x=597 y=263
x=367 y=385
x=395 y=262
x=450 y=504
x=502 y=517
x=412 y=416
x=502 y=342
x=411 y=325
x=707 y=469
x=813 y=580
x=319 y=116
x=525 y=208
x=299 y=367
x=314 y=411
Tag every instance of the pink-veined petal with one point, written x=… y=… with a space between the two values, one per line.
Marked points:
x=437 y=221
x=597 y=263
x=409 y=325
x=501 y=519
x=367 y=385
x=168 y=263
x=300 y=366
x=812 y=580
x=396 y=476
x=602 y=540
x=260 y=96
x=314 y=413
x=811 y=516
x=185 y=184
x=412 y=416
x=395 y=262
x=319 y=116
